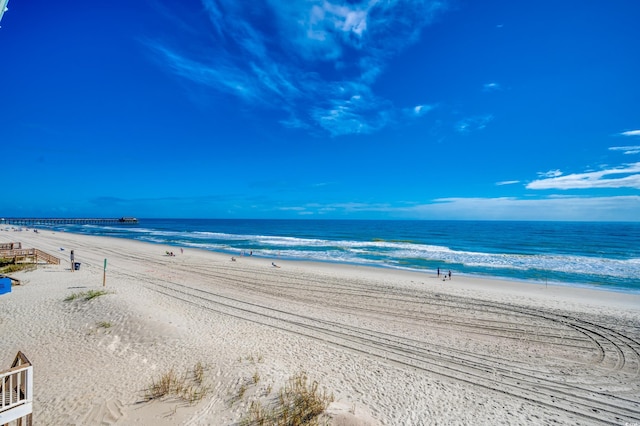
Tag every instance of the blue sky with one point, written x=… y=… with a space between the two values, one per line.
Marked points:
x=389 y=109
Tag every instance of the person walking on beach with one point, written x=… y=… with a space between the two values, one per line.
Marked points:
x=449 y=275
x=73 y=265
x=438 y=272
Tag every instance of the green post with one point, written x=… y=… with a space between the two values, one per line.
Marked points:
x=104 y=274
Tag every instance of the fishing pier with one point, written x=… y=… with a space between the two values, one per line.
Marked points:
x=31 y=221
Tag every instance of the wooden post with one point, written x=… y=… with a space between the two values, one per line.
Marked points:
x=104 y=274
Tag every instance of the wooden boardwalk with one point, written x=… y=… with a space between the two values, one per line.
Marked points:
x=31 y=221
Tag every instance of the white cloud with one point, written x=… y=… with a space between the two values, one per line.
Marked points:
x=420 y=110
x=550 y=174
x=631 y=133
x=507 y=182
x=491 y=87
x=627 y=176
x=348 y=19
x=321 y=30
x=314 y=60
x=627 y=149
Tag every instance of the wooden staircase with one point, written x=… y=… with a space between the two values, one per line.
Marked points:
x=32 y=254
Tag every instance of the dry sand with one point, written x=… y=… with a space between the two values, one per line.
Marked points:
x=394 y=348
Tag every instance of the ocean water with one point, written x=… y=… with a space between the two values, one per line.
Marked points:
x=603 y=255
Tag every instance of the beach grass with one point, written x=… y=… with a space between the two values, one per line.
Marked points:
x=299 y=402
x=7 y=266
x=198 y=372
x=187 y=387
x=86 y=295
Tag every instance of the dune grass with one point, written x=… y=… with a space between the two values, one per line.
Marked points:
x=9 y=267
x=299 y=403
x=198 y=372
x=86 y=295
x=187 y=387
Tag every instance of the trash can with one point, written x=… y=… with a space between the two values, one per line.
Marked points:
x=76 y=266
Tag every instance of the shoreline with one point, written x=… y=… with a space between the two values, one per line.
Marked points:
x=487 y=277
x=235 y=252
x=394 y=347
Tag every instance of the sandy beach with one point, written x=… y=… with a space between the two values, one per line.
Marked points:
x=393 y=347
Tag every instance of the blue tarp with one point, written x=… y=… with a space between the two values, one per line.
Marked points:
x=5 y=285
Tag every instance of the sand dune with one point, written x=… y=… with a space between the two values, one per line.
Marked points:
x=394 y=347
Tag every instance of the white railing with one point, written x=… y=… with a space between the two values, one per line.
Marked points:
x=16 y=390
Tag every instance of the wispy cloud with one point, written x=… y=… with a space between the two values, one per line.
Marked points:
x=631 y=133
x=361 y=113
x=627 y=176
x=472 y=124
x=626 y=149
x=507 y=182
x=315 y=61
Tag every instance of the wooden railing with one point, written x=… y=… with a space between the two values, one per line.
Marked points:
x=35 y=254
x=16 y=391
x=47 y=257
x=10 y=246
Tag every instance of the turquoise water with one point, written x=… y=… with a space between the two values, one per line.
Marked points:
x=605 y=255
